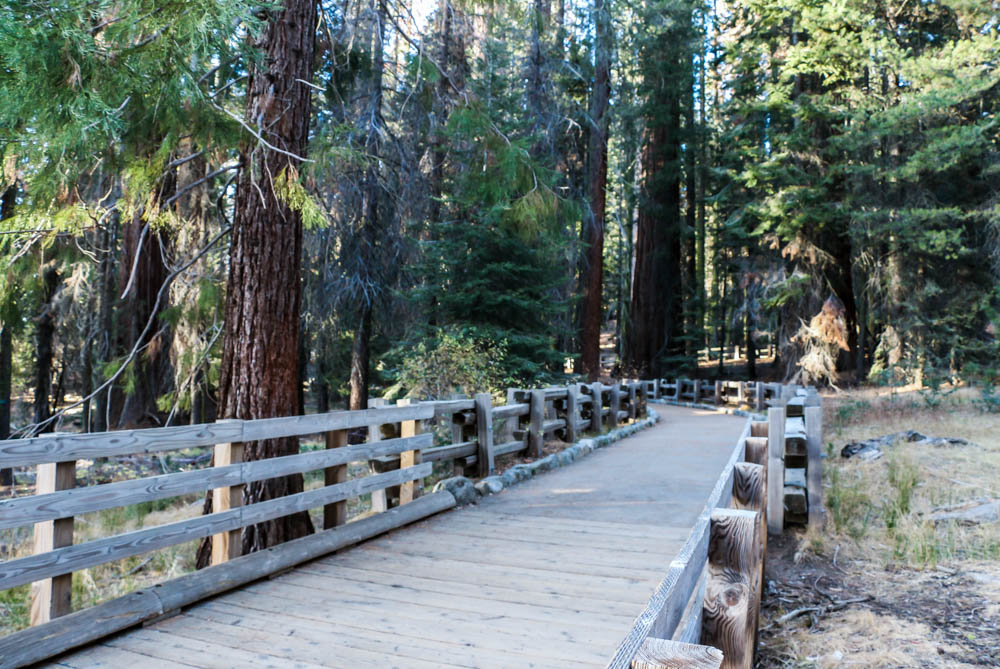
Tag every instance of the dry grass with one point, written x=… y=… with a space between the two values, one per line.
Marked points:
x=934 y=591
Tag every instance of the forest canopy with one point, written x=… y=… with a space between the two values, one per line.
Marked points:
x=337 y=201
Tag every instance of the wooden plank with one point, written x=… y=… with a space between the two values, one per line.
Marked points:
x=814 y=464
x=758 y=429
x=449 y=407
x=227 y=545
x=72 y=558
x=115 y=658
x=663 y=654
x=511 y=410
x=335 y=514
x=61 y=504
x=536 y=416
x=409 y=490
x=728 y=623
x=409 y=621
x=292 y=641
x=462 y=449
x=66 y=447
x=52 y=597
x=510 y=447
x=484 y=434
x=37 y=643
x=502 y=591
x=654 y=549
x=775 y=470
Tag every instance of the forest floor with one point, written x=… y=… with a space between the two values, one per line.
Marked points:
x=882 y=585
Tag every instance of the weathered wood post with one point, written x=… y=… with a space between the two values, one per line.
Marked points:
x=718 y=393
x=52 y=597
x=758 y=428
x=484 y=434
x=380 y=501
x=633 y=396
x=750 y=494
x=596 y=407
x=227 y=545
x=733 y=560
x=814 y=463
x=615 y=405
x=572 y=412
x=512 y=423
x=656 y=389
x=776 y=470
x=335 y=514
x=409 y=490
x=536 y=416
x=759 y=396
x=741 y=393
x=678 y=386
x=663 y=654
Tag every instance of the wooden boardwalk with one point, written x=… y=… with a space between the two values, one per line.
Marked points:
x=551 y=573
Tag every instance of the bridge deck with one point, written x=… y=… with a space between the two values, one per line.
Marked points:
x=548 y=574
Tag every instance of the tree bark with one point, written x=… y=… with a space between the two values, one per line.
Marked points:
x=45 y=332
x=372 y=223
x=7 y=203
x=259 y=371
x=598 y=180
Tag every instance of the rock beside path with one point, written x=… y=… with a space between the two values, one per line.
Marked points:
x=873 y=449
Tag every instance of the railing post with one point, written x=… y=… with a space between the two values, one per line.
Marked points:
x=678 y=386
x=633 y=398
x=227 y=545
x=484 y=434
x=572 y=413
x=728 y=623
x=750 y=494
x=759 y=390
x=697 y=390
x=663 y=654
x=814 y=464
x=776 y=470
x=615 y=404
x=596 y=408
x=718 y=393
x=536 y=416
x=409 y=490
x=335 y=514
x=380 y=498
x=52 y=597
x=656 y=389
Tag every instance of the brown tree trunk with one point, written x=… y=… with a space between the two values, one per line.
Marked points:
x=370 y=230
x=598 y=180
x=152 y=366
x=45 y=332
x=105 y=338
x=656 y=315
x=7 y=203
x=259 y=374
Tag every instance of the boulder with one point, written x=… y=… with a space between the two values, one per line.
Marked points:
x=460 y=487
x=490 y=485
x=974 y=512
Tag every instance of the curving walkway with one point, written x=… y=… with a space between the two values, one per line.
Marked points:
x=550 y=573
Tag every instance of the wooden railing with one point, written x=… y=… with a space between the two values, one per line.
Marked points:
x=400 y=453
x=705 y=611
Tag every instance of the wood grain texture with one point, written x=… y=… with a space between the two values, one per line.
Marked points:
x=335 y=514
x=758 y=429
x=616 y=405
x=409 y=490
x=775 y=470
x=663 y=654
x=596 y=407
x=52 y=597
x=61 y=504
x=227 y=545
x=484 y=434
x=814 y=463
x=572 y=415
x=728 y=623
x=66 y=447
x=72 y=558
x=37 y=643
x=536 y=417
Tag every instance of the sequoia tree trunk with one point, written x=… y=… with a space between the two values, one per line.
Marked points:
x=6 y=348
x=259 y=372
x=45 y=332
x=598 y=179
